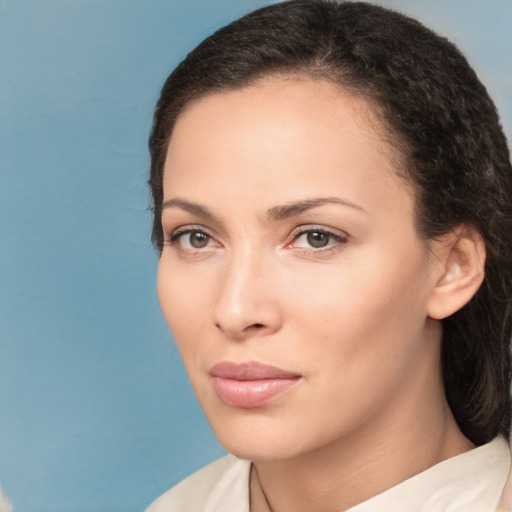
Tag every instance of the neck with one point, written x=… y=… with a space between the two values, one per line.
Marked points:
x=409 y=435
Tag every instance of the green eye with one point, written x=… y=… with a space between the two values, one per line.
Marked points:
x=198 y=240
x=317 y=239
x=190 y=239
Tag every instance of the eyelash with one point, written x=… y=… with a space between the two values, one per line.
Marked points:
x=175 y=237
x=335 y=241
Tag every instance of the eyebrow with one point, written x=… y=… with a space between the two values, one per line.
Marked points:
x=289 y=210
x=193 y=208
x=280 y=212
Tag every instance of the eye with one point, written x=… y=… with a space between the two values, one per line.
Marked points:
x=198 y=240
x=317 y=238
x=190 y=239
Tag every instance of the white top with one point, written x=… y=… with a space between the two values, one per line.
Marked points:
x=471 y=482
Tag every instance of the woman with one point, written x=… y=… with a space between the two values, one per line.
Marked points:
x=332 y=203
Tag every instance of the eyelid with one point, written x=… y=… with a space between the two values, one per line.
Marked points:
x=184 y=228
x=307 y=228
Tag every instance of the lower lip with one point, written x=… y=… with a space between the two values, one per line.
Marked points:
x=251 y=393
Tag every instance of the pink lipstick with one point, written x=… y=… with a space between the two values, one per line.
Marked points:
x=251 y=384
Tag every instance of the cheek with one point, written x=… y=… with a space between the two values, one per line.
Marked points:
x=364 y=310
x=184 y=303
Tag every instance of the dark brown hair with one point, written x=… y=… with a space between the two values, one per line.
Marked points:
x=443 y=124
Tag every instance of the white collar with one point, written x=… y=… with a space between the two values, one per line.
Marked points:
x=470 y=482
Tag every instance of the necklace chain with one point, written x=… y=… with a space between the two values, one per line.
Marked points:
x=261 y=487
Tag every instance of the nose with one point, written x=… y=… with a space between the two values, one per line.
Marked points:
x=246 y=305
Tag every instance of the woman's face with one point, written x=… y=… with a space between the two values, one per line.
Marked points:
x=292 y=277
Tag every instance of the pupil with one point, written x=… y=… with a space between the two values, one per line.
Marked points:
x=317 y=239
x=198 y=240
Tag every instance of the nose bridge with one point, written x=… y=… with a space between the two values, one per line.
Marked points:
x=245 y=303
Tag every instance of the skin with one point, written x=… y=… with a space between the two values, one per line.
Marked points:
x=353 y=318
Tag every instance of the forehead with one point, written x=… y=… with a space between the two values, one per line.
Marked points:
x=283 y=97
x=292 y=134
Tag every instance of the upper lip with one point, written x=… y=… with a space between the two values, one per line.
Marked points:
x=250 y=370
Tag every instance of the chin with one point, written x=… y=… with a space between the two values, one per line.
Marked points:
x=259 y=452
x=256 y=438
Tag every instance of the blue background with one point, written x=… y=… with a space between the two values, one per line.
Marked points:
x=96 y=413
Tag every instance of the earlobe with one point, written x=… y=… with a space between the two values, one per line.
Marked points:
x=460 y=265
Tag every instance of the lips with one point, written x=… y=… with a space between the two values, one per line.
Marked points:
x=251 y=384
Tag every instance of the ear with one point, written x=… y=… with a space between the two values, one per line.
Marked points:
x=459 y=269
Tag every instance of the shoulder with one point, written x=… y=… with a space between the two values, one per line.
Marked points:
x=221 y=485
